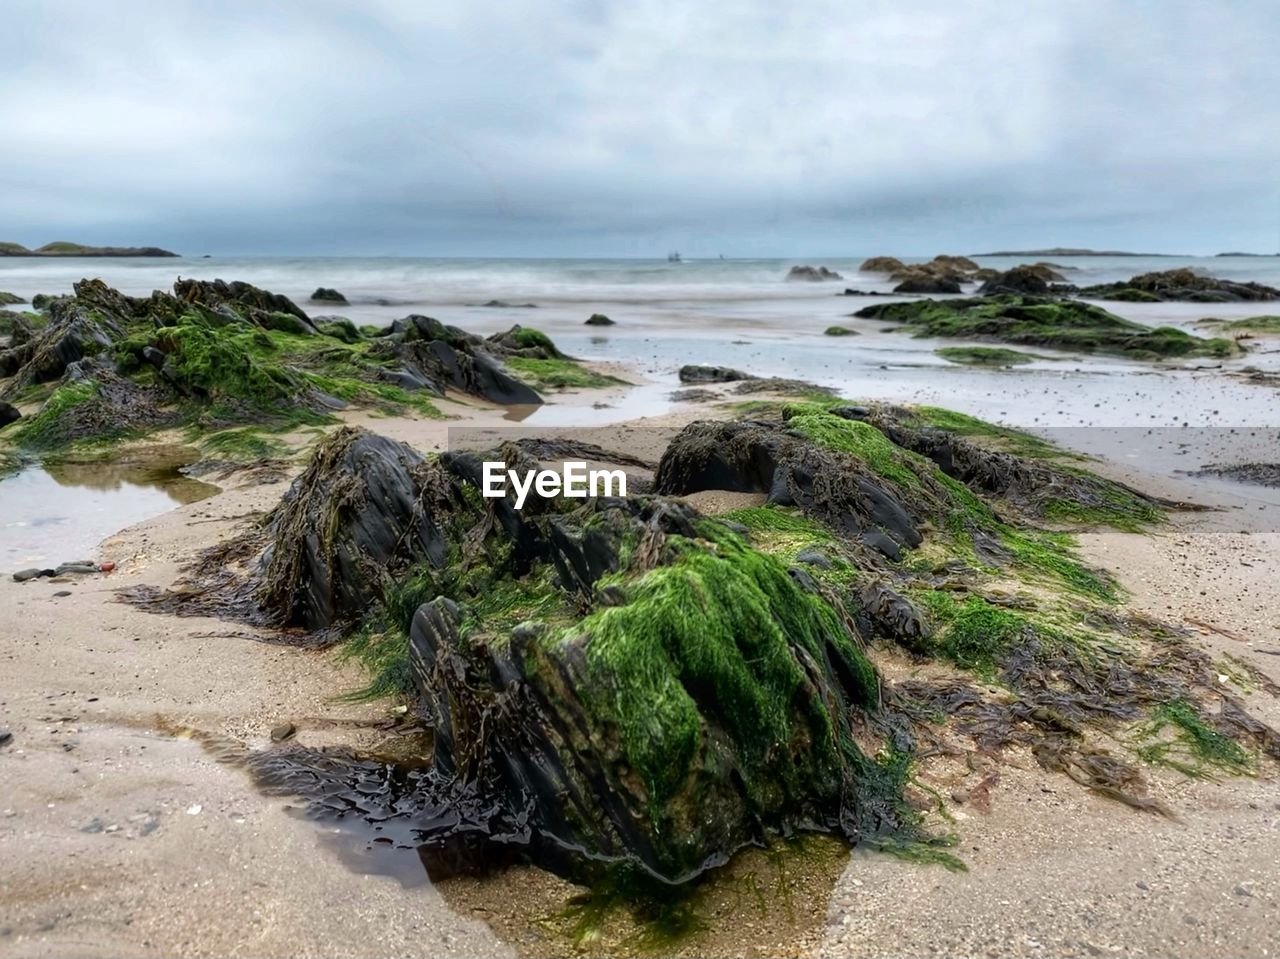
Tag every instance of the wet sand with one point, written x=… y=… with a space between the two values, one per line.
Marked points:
x=120 y=840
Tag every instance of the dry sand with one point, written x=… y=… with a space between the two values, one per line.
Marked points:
x=119 y=840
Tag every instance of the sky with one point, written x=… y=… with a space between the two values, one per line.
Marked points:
x=549 y=128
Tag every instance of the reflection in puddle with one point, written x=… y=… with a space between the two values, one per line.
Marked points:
x=54 y=513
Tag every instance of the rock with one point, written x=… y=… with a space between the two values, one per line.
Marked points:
x=890 y=615
x=106 y=567
x=1042 y=321
x=513 y=710
x=598 y=319
x=839 y=331
x=285 y=730
x=8 y=414
x=358 y=514
x=324 y=294
x=6 y=737
x=790 y=471
x=259 y=306
x=338 y=327
x=503 y=305
x=77 y=568
x=1021 y=280
x=62 y=593
x=452 y=357
x=811 y=556
x=928 y=284
x=22 y=575
x=1180 y=284
x=881 y=264
x=10 y=299
x=693 y=373
x=694 y=395
x=812 y=274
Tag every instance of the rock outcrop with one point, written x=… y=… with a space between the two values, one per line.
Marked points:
x=1180 y=284
x=324 y=294
x=812 y=274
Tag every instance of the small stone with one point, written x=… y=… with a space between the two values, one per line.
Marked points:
x=106 y=567
x=599 y=319
x=282 y=732
x=61 y=593
x=1242 y=890
x=1143 y=886
x=811 y=556
x=194 y=809
x=6 y=737
x=22 y=575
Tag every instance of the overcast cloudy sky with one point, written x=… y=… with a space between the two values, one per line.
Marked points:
x=538 y=127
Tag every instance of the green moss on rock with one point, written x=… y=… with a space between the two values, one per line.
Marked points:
x=1037 y=321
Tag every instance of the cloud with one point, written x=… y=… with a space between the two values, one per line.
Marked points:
x=590 y=127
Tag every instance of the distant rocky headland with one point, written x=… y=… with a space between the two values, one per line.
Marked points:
x=1070 y=251
x=65 y=248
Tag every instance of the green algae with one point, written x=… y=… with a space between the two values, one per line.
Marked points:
x=987 y=355
x=50 y=428
x=839 y=331
x=1177 y=736
x=719 y=624
x=1035 y=321
x=557 y=374
x=861 y=440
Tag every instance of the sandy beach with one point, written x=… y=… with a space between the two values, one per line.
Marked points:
x=121 y=839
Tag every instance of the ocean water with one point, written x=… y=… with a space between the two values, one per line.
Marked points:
x=744 y=313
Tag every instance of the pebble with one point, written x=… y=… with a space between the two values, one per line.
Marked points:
x=282 y=732
x=6 y=737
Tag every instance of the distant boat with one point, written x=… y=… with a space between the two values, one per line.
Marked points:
x=674 y=257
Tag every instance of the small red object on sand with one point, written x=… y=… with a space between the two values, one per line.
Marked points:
x=106 y=567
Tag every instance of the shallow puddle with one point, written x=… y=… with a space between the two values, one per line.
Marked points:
x=56 y=513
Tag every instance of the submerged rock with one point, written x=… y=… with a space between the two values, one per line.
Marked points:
x=324 y=294
x=599 y=319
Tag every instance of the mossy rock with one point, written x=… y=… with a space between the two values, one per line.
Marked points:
x=1042 y=321
x=986 y=356
x=10 y=299
x=839 y=331
x=1180 y=284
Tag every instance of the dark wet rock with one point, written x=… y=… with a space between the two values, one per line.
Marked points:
x=41 y=301
x=6 y=737
x=812 y=274
x=888 y=614
x=751 y=457
x=450 y=357
x=324 y=294
x=693 y=373
x=1180 y=284
x=1255 y=474
x=599 y=319
x=259 y=306
x=839 y=331
x=1021 y=279
x=812 y=556
x=356 y=516
x=784 y=386
x=282 y=732
x=22 y=575
x=504 y=305
x=8 y=414
x=928 y=284
x=694 y=395
x=1044 y=321
x=520 y=713
x=62 y=594
x=881 y=264
x=852 y=292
